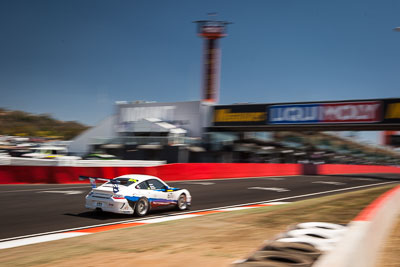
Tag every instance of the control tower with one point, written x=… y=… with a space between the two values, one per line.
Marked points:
x=211 y=31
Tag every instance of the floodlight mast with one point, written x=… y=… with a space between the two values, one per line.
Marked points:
x=211 y=31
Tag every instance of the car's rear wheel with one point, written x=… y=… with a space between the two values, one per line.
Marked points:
x=182 y=204
x=142 y=207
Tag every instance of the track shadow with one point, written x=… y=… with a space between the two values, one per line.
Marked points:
x=100 y=215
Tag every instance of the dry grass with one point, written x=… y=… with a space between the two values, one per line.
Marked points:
x=211 y=240
x=390 y=257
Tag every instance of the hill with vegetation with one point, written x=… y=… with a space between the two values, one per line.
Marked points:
x=20 y=123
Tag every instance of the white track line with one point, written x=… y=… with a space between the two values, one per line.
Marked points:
x=167 y=219
x=37 y=239
x=239 y=178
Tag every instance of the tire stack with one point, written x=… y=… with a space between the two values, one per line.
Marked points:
x=299 y=246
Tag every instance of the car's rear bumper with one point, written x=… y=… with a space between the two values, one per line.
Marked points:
x=109 y=205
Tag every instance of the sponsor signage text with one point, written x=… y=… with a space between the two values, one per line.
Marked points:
x=345 y=112
x=240 y=115
x=360 y=113
x=392 y=111
x=294 y=114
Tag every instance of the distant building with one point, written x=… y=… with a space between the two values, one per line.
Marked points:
x=148 y=125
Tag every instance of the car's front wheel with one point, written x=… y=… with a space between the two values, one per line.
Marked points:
x=142 y=207
x=182 y=202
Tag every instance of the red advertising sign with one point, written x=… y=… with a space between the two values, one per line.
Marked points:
x=351 y=112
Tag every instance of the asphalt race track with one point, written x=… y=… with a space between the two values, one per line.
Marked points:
x=34 y=209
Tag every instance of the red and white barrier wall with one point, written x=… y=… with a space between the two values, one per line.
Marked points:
x=169 y=172
x=325 y=169
x=364 y=239
x=14 y=174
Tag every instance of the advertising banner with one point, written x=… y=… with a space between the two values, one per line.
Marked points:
x=351 y=112
x=237 y=115
x=391 y=111
x=341 y=112
x=286 y=114
x=377 y=114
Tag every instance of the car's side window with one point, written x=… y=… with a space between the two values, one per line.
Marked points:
x=142 y=185
x=155 y=184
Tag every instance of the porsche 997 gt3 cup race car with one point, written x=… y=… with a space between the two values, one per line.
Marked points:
x=135 y=194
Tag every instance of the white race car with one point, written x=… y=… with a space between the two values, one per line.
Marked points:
x=135 y=194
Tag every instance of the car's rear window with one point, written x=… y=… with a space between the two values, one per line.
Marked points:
x=123 y=181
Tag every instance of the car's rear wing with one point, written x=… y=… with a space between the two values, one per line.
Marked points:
x=94 y=179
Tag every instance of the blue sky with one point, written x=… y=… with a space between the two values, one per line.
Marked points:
x=74 y=59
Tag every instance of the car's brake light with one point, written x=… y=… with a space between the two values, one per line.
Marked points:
x=118 y=197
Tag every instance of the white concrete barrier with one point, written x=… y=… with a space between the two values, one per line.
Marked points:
x=5 y=161
x=118 y=163
x=72 y=162
x=324 y=239
x=361 y=244
x=31 y=162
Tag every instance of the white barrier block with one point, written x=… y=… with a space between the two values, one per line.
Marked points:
x=363 y=241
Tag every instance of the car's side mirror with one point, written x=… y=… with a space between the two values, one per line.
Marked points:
x=165 y=188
